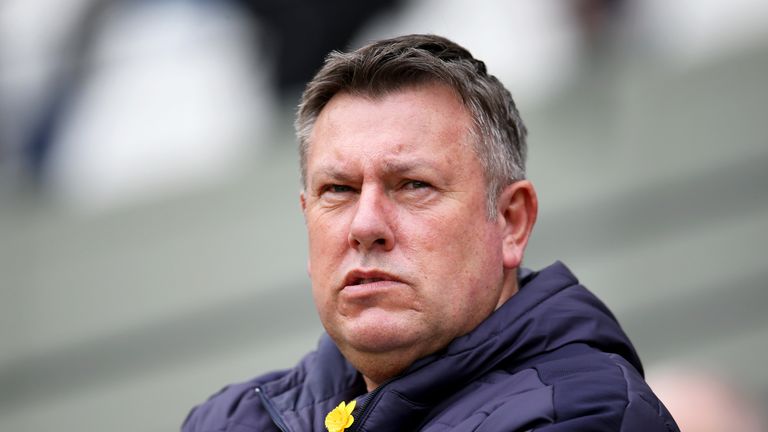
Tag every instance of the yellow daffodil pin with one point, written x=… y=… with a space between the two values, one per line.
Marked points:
x=340 y=417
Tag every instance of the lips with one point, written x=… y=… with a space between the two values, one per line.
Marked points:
x=362 y=277
x=367 y=281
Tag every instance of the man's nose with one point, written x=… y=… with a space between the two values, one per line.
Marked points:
x=371 y=225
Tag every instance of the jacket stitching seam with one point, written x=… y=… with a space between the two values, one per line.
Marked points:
x=626 y=393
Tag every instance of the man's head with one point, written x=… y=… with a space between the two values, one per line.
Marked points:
x=389 y=65
x=413 y=238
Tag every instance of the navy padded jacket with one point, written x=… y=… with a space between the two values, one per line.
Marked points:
x=551 y=359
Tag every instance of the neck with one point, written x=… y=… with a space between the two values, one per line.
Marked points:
x=377 y=368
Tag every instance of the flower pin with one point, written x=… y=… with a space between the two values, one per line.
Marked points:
x=340 y=417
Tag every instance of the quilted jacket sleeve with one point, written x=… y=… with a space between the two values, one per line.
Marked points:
x=606 y=395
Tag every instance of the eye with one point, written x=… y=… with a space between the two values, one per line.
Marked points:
x=336 y=188
x=416 y=184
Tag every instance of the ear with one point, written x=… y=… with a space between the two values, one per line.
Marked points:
x=518 y=208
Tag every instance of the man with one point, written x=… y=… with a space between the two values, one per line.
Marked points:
x=418 y=214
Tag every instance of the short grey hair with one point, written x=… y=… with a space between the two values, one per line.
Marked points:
x=389 y=65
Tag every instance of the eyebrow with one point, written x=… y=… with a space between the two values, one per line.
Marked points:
x=333 y=172
x=400 y=167
x=390 y=167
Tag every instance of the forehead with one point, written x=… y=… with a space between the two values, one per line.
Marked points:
x=424 y=118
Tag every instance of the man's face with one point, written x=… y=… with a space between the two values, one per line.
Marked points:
x=402 y=255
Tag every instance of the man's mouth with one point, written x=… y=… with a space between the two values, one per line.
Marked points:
x=363 y=277
x=364 y=281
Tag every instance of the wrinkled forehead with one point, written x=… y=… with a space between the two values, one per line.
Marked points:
x=416 y=99
x=383 y=88
x=431 y=96
x=419 y=112
x=423 y=127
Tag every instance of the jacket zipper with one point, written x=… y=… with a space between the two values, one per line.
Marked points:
x=364 y=413
x=276 y=418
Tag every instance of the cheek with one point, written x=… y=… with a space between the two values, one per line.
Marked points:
x=440 y=250
x=327 y=237
x=321 y=298
x=454 y=240
x=327 y=247
x=461 y=255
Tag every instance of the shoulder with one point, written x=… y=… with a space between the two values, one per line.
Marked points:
x=576 y=388
x=228 y=405
x=594 y=390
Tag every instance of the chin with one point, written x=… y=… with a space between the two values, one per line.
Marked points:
x=379 y=336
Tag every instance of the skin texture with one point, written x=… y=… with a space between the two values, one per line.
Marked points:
x=402 y=255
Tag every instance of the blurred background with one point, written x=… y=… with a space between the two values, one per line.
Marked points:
x=152 y=247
